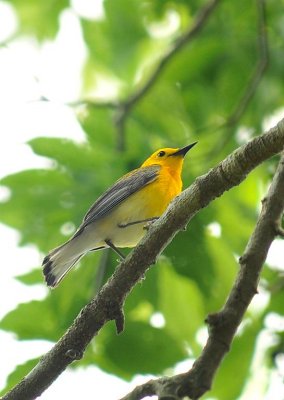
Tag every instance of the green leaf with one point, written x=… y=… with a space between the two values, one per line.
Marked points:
x=78 y=158
x=277 y=299
x=144 y=293
x=190 y=257
x=33 y=277
x=235 y=369
x=112 y=48
x=164 y=132
x=40 y=199
x=16 y=321
x=236 y=211
x=140 y=349
x=49 y=318
x=181 y=303
x=130 y=13
x=39 y=17
x=98 y=125
x=225 y=268
x=82 y=161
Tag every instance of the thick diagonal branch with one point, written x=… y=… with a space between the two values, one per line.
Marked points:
x=108 y=303
x=223 y=325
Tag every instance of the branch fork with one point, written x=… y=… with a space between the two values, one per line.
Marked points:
x=109 y=302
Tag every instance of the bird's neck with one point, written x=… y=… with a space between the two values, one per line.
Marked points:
x=175 y=174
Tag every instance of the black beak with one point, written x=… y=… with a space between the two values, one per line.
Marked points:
x=184 y=150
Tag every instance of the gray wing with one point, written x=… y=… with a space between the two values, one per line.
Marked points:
x=120 y=191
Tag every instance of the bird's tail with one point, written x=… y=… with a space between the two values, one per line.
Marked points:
x=58 y=262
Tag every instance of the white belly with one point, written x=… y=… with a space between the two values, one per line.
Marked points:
x=121 y=230
x=116 y=228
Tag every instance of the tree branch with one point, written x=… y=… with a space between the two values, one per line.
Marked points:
x=107 y=305
x=223 y=325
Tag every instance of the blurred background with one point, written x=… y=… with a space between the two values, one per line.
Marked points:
x=88 y=89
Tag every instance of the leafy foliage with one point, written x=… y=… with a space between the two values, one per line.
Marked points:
x=198 y=90
x=40 y=18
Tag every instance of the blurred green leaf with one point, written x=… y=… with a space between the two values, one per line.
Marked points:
x=31 y=278
x=277 y=298
x=98 y=125
x=235 y=369
x=34 y=206
x=225 y=268
x=237 y=211
x=111 y=48
x=55 y=313
x=191 y=258
x=39 y=17
x=182 y=304
x=145 y=293
x=151 y=352
x=25 y=328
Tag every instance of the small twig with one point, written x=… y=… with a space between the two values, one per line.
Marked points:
x=141 y=391
x=91 y=103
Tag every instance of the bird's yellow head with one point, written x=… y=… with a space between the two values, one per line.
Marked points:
x=169 y=158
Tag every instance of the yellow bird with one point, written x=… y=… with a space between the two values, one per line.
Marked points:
x=117 y=219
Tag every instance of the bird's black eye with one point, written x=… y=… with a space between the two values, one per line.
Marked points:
x=161 y=153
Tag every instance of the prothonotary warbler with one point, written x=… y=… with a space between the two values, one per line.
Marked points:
x=117 y=219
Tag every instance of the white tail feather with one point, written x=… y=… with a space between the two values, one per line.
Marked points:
x=58 y=262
